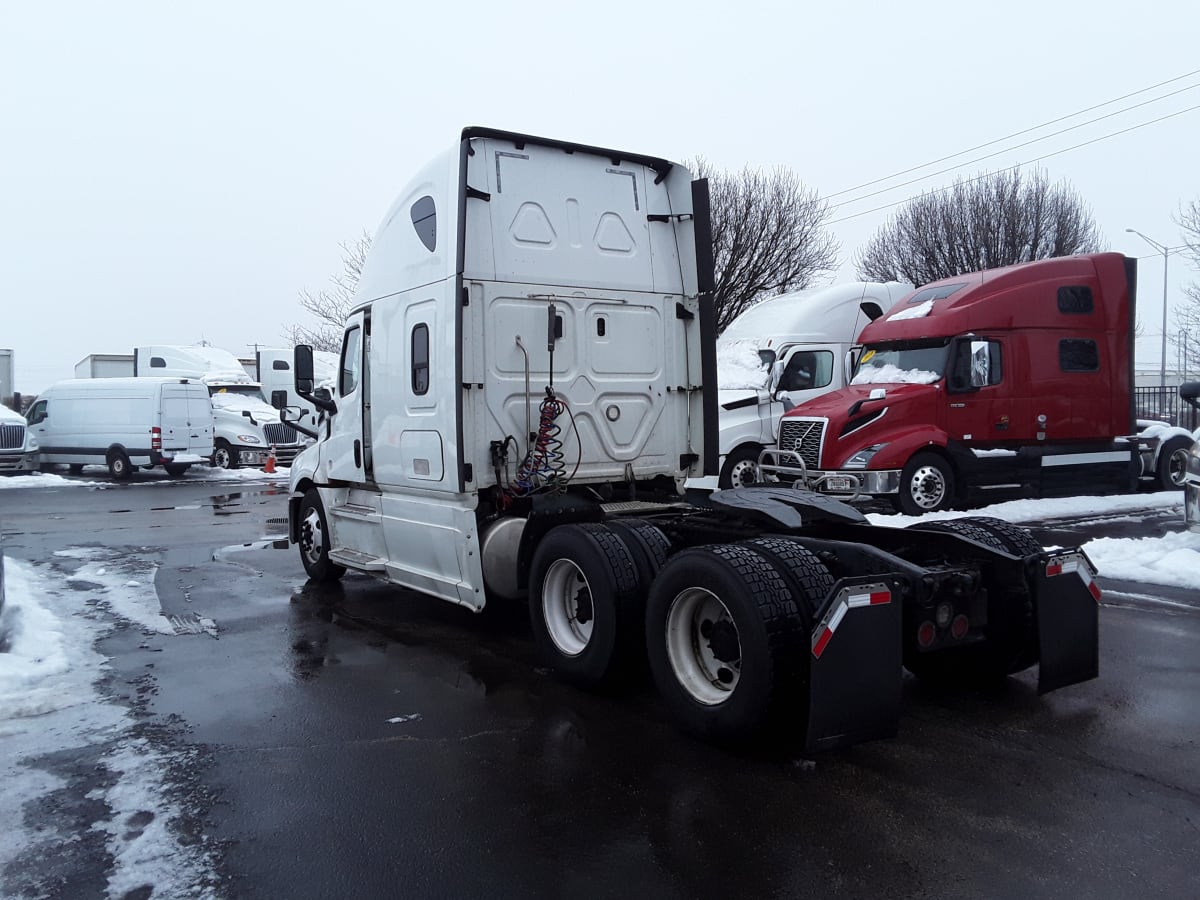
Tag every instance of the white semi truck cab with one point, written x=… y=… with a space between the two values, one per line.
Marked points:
x=527 y=381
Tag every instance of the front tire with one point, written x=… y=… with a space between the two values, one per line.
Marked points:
x=224 y=456
x=118 y=465
x=741 y=468
x=314 y=541
x=926 y=485
x=1171 y=470
x=584 y=606
x=176 y=469
x=725 y=642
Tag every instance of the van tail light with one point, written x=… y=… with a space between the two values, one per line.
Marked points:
x=155 y=438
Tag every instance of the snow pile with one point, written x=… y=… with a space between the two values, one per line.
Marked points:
x=891 y=374
x=1173 y=559
x=139 y=478
x=739 y=367
x=51 y=703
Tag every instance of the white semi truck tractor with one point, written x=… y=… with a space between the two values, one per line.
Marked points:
x=527 y=380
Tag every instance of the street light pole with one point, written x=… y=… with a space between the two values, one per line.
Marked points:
x=1166 y=252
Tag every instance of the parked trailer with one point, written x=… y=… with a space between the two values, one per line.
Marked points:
x=527 y=381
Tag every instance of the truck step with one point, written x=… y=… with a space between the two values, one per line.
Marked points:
x=635 y=506
x=355 y=559
x=355 y=511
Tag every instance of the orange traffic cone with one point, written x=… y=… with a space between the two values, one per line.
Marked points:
x=269 y=468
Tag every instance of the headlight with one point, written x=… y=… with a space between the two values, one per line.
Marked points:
x=248 y=439
x=32 y=442
x=861 y=459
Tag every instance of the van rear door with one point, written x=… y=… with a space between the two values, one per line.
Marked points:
x=187 y=425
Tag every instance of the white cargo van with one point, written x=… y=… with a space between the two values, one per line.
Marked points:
x=123 y=423
x=18 y=446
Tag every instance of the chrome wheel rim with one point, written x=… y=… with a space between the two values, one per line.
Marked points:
x=928 y=487
x=704 y=648
x=744 y=474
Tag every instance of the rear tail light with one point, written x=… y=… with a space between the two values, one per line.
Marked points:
x=155 y=438
x=926 y=634
x=959 y=627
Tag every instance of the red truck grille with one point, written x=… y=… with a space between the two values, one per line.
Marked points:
x=803 y=437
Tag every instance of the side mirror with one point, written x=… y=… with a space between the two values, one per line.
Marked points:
x=302 y=365
x=1189 y=393
x=322 y=395
x=279 y=399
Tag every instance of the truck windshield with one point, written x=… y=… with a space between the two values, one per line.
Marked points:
x=902 y=363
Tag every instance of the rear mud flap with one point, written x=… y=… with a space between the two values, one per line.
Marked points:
x=854 y=665
x=1068 y=618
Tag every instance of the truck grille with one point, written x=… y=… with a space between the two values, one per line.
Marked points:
x=278 y=433
x=803 y=437
x=12 y=437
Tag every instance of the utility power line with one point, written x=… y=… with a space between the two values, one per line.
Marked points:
x=1018 y=165
x=1016 y=133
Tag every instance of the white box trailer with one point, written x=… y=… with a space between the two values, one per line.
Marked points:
x=528 y=379
x=105 y=365
x=272 y=368
x=123 y=423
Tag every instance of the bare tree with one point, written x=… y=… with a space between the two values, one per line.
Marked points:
x=980 y=223
x=1187 y=314
x=768 y=236
x=330 y=306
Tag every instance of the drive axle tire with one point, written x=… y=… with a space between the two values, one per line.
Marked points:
x=176 y=469
x=584 y=606
x=726 y=646
x=118 y=464
x=314 y=541
x=1010 y=640
x=75 y=468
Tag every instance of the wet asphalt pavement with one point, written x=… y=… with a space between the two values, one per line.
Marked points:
x=365 y=741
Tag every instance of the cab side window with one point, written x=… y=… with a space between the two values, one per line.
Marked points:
x=38 y=412
x=351 y=361
x=420 y=359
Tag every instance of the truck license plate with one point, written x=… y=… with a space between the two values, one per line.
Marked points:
x=839 y=483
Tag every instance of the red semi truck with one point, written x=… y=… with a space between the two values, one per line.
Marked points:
x=1012 y=378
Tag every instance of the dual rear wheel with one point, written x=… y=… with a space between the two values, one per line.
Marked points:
x=724 y=628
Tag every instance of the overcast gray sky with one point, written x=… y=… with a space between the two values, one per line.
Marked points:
x=175 y=172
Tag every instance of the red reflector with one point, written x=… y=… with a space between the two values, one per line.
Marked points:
x=926 y=634
x=1094 y=590
x=881 y=597
x=958 y=628
x=822 y=641
x=1053 y=570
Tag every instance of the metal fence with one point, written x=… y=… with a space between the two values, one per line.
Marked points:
x=1163 y=404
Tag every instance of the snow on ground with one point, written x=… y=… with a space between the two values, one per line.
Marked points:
x=97 y=477
x=50 y=702
x=1172 y=560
